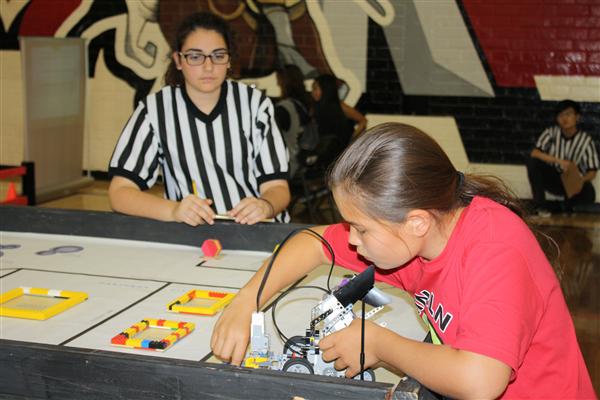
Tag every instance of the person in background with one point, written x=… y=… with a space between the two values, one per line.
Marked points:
x=558 y=148
x=292 y=111
x=215 y=140
x=332 y=117
x=498 y=323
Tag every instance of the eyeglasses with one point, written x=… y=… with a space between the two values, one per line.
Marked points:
x=194 y=58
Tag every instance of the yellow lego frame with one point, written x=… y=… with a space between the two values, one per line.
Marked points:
x=175 y=330
x=221 y=299
x=70 y=299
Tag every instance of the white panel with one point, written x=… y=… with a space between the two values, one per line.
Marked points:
x=442 y=129
x=54 y=78
x=450 y=43
x=515 y=176
x=578 y=88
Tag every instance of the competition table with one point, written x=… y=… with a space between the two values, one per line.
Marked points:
x=131 y=268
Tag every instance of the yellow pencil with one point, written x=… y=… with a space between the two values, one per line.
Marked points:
x=225 y=217
x=230 y=218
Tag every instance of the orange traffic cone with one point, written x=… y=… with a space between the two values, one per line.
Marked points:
x=12 y=192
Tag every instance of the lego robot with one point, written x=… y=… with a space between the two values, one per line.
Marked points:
x=301 y=354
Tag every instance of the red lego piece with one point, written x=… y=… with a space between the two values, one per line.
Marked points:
x=211 y=247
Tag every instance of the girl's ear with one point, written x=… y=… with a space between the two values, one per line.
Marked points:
x=418 y=222
x=177 y=60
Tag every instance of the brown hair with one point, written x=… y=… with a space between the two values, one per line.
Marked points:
x=291 y=81
x=199 y=20
x=394 y=168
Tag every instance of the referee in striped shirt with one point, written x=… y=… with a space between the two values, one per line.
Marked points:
x=214 y=140
x=557 y=148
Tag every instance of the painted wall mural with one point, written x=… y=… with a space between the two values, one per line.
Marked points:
x=134 y=34
x=467 y=58
x=431 y=47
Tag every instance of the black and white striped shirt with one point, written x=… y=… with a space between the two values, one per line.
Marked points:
x=228 y=153
x=580 y=149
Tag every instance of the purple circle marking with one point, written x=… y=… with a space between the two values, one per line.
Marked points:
x=59 y=250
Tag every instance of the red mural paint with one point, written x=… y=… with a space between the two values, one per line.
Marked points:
x=41 y=20
x=536 y=37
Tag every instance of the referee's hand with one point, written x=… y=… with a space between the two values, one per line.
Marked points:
x=194 y=211
x=251 y=210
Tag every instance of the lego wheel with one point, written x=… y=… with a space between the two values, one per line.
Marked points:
x=294 y=345
x=368 y=374
x=299 y=366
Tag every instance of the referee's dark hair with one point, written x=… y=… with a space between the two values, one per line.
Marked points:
x=563 y=105
x=199 y=20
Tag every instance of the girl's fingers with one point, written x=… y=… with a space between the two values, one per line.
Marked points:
x=239 y=352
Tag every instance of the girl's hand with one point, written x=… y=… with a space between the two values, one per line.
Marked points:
x=344 y=347
x=251 y=210
x=231 y=333
x=194 y=210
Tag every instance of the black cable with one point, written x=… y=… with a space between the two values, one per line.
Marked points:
x=281 y=335
x=284 y=338
x=362 y=343
x=330 y=269
x=276 y=253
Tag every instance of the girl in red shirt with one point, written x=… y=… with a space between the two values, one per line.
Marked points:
x=498 y=321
